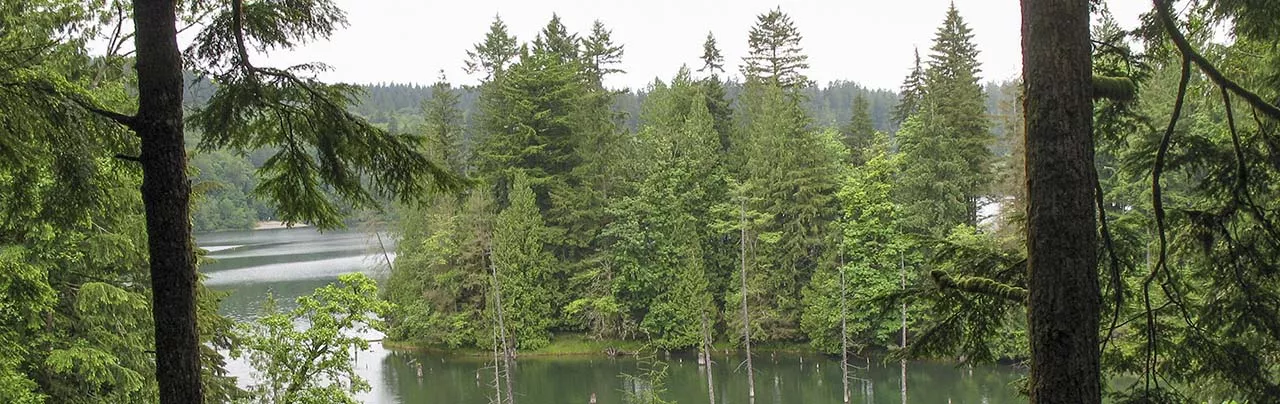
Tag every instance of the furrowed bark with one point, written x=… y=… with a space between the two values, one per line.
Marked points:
x=166 y=196
x=1064 y=297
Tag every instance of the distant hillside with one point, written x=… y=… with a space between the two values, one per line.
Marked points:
x=398 y=106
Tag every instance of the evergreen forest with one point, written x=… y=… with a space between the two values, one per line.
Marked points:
x=1107 y=220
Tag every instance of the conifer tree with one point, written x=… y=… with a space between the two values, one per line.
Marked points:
x=792 y=175
x=1062 y=260
x=600 y=145
x=661 y=229
x=443 y=127
x=857 y=135
x=713 y=88
x=524 y=267
x=870 y=244
x=529 y=125
x=600 y=55
x=958 y=104
x=498 y=50
x=910 y=94
x=712 y=59
x=946 y=140
x=555 y=39
x=774 y=55
x=324 y=152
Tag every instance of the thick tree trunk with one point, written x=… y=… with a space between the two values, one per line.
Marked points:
x=166 y=195
x=1065 y=301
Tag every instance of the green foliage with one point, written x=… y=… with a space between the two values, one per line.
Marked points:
x=791 y=174
x=556 y=41
x=774 y=56
x=912 y=93
x=953 y=124
x=313 y=364
x=438 y=283
x=931 y=188
x=871 y=248
x=712 y=59
x=320 y=145
x=860 y=132
x=528 y=126
x=224 y=183
x=494 y=54
x=661 y=231
x=637 y=235
x=75 y=323
x=600 y=54
x=444 y=129
x=973 y=326
x=524 y=267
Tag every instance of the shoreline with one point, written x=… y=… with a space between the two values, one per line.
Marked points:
x=577 y=345
x=276 y=224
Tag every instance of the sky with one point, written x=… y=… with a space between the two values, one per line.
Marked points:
x=865 y=41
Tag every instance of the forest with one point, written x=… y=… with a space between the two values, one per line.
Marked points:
x=1107 y=220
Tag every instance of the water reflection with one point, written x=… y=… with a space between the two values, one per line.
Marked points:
x=288 y=263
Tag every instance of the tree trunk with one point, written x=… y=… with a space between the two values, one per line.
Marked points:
x=166 y=195
x=746 y=314
x=1064 y=301
x=844 y=337
x=902 y=273
x=507 y=349
x=706 y=357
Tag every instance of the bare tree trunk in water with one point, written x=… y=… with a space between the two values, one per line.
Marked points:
x=502 y=332
x=1065 y=301
x=497 y=367
x=844 y=336
x=166 y=196
x=706 y=357
x=746 y=317
x=902 y=273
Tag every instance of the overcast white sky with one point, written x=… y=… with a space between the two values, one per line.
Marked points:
x=867 y=41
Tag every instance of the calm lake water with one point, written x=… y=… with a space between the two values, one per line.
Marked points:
x=292 y=262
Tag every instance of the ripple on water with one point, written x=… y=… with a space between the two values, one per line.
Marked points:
x=301 y=270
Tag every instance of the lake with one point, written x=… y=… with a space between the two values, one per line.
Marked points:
x=288 y=263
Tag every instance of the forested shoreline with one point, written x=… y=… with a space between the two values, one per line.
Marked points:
x=640 y=233
x=1110 y=215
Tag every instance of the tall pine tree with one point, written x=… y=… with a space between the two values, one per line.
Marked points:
x=774 y=56
x=958 y=103
x=910 y=94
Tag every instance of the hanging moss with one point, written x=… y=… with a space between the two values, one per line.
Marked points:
x=1114 y=88
x=980 y=285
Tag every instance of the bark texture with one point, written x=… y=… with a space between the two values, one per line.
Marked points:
x=166 y=195
x=1065 y=301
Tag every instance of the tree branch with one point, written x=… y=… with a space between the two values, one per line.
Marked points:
x=1114 y=88
x=1184 y=47
x=979 y=285
x=126 y=157
x=1157 y=204
x=122 y=119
